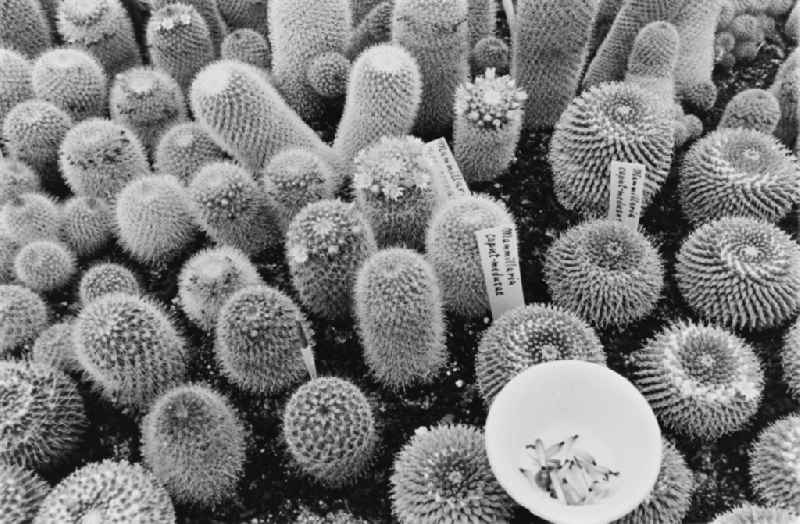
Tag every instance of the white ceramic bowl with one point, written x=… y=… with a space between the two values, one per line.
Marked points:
x=554 y=400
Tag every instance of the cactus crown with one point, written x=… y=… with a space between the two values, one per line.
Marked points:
x=84 y=13
x=223 y=189
x=324 y=229
x=490 y=101
x=173 y=17
x=392 y=166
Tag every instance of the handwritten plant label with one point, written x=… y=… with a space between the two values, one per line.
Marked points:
x=305 y=351
x=500 y=262
x=448 y=179
x=626 y=192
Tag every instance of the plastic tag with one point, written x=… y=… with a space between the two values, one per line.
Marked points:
x=305 y=351
x=626 y=192
x=500 y=262
x=448 y=178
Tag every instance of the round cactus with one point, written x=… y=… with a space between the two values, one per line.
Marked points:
x=148 y=101
x=326 y=243
x=749 y=514
x=98 y=157
x=24 y=27
x=327 y=74
x=452 y=248
x=400 y=318
x=233 y=209
x=155 y=219
x=701 y=381
x=490 y=52
x=31 y=216
x=23 y=315
x=774 y=460
x=606 y=272
x=393 y=183
x=129 y=348
x=248 y=46
x=194 y=444
x=106 y=278
x=443 y=475
x=73 y=80
x=183 y=149
x=754 y=109
x=209 y=10
x=107 y=491
x=790 y=359
x=43 y=418
x=296 y=177
x=613 y=121
x=671 y=497
x=15 y=86
x=45 y=265
x=32 y=132
x=529 y=335
x=738 y=172
x=16 y=178
x=87 y=225
x=209 y=278
x=53 y=347
x=8 y=251
x=741 y=273
x=329 y=430
x=21 y=493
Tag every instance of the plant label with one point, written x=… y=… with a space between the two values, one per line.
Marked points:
x=626 y=192
x=500 y=262
x=448 y=180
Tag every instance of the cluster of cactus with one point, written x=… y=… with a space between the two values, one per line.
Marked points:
x=24 y=27
x=106 y=278
x=742 y=30
x=87 y=225
x=21 y=493
x=774 y=457
x=31 y=216
x=248 y=46
x=53 y=347
x=183 y=149
x=73 y=80
x=296 y=177
x=755 y=109
x=16 y=178
x=23 y=315
x=45 y=265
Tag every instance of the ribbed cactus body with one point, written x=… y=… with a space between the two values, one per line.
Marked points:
x=24 y=27
x=106 y=278
x=296 y=177
x=383 y=96
x=23 y=315
x=73 y=80
x=32 y=132
x=16 y=178
x=209 y=10
x=183 y=149
x=549 y=52
x=15 y=80
x=45 y=265
x=436 y=34
x=31 y=216
x=87 y=224
x=248 y=46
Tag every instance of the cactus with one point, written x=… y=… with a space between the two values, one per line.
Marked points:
x=792 y=27
x=23 y=316
x=296 y=177
x=248 y=46
x=8 y=250
x=31 y=216
x=443 y=475
x=435 y=32
x=43 y=419
x=375 y=28
x=529 y=335
x=606 y=272
x=671 y=497
x=749 y=514
x=393 y=183
x=400 y=318
x=245 y=14
x=129 y=348
x=209 y=278
x=790 y=359
x=774 y=459
x=786 y=88
x=306 y=516
x=754 y=109
x=329 y=429
x=148 y=101
x=179 y=42
x=327 y=74
x=15 y=80
x=107 y=491
x=194 y=443
x=481 y=20
x=24 y=27
x=614 y=121
x=738 y=172
x=740 y=272
x=99 y=157
x=106 y=278
x=103 y=28
x=300 y=30
x=607 y=11
x=452 y=249
x=490 y=53
x=45 y=265
x=702 y=381
x=259 y=338
x=549 y=52
x=72 y=80
x=488 y=123
x=16 y=179
x=209 y=10
x=87 y=225
x=155 y=219
x=326 y=243
x=233 y=209
x=183 y=149
x=21 y=493
x=360 y=9
x=382 y=99
x=53 y=347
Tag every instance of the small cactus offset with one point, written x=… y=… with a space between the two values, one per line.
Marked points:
x=393 y=184
x=16 y=179
x=73 y=80
x=148 y=101
x=400 y=318
x=21 y=493
x=31 y=216
x=750 y=514
x=209 y=10
x=53 y=347
x=245 y=14
x=106 y=278
x=179 y=42
x=774 y=457
x=248 y=46
x=490 y=53
x=103 y=28
x=326 y=243
x=488 y=123
x=24 y=27
x=296 y=177
x=45 y=265
x=183 y=149
x=209 y=278
x=382 y=99
x=87 y=225
x=15 y=80
x=23 y=316
x=327 y=74
x=755 y=109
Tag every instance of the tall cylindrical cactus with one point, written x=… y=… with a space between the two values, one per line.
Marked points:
x=209 y=10
x=24 y=27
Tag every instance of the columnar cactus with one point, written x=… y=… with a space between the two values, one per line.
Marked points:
x=233 y=209
x=754 y=109
x=194 y=443
x=750 y=514
x=129 y=348
x=16 y=179
x=106 y=278
x=260 y=336
x=15 y=80
x=326 y=243
x=148 y=101
x=774 y=458
x=549 y=52
x=53 y=347
x=296 y=177
x=24 y=27
x=73 y=80
x=179 y=42
x=103 y=28
x=488 y=123
x=436 y=34
x=248 y=46
x=373 y=29
x=245 y=14
x=183 y=149
x=87 y=225
x=32 y=132
x=23 y=316
x=383 y=97
x=45 y=265
x=155 y=219
x=452 y=248
x=209 y=10
x=21 y=493
x=31 y=216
